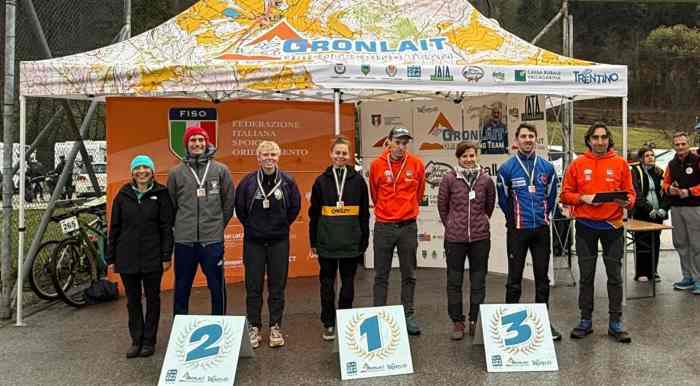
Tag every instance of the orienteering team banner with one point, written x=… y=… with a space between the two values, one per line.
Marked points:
x=365 y=45
x=437 y=128
x=154 y=126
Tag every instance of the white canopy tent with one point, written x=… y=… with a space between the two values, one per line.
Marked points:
x=318 y=50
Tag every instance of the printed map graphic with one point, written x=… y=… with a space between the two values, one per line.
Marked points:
x=236 y=44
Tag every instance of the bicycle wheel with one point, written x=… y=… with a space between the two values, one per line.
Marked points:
x=71 y=272
x=40 y=275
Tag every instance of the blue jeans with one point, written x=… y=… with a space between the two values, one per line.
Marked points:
x=211 y=259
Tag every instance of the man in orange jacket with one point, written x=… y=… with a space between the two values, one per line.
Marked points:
x=397 y=184
x=599 y=170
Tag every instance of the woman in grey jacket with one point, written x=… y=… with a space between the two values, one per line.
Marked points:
x=466 y=200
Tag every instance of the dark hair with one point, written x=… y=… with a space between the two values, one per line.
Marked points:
x=463 y=146
x=643 y=150
x=339 y=140
x=525 y=126
x=680 y=134
x=591 y=129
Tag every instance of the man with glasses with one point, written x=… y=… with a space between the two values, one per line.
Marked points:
x=682 y=186
x=397 y=184
x=599 y=170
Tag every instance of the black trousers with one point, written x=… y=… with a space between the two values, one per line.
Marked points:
x=143 y=331
x=329 y=270
x=519 y=241
x=587 y=250
x=478 y=254
x=261 y=258
x=643 y=242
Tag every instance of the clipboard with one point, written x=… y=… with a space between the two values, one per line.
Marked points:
x=610 y=196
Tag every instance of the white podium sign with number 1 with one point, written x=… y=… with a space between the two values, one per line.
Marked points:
x=204 y=350
x=373 y=342
x=516 y=337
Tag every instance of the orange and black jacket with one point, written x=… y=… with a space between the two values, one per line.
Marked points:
x=685 y=174
x=396 y=193
x=589 y=174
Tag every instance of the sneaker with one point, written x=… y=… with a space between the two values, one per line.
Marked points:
x=685 y=284
x=657 y=278
x=276 y=337
x=556 y=336
x=147 y=351
x=412 y=325
x=617 y=331
x=328 y=333
x=472 y=328
x=696 y=290
x=458 y=331
x=254 y=336
x=585 y=327
x=134 y=351
x=643 y=279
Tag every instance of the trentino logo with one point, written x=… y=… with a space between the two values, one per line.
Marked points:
x=520 y=76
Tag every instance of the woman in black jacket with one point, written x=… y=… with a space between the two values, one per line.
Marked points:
x=650 y=206
x=338 y=230
x=140 y=246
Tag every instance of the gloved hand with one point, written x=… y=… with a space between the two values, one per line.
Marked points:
x=654 y=213
x=661 y=213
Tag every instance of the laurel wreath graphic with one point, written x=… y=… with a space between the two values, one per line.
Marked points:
x=528 y=347
x=355 y=346
x=225 y=346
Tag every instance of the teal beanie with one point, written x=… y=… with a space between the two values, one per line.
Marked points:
x=143 y=160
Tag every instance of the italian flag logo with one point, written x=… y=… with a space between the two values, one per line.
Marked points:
x=183 y=117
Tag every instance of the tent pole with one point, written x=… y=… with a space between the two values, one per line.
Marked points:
x=336 y=105
x=22 y=187
x=625 y=143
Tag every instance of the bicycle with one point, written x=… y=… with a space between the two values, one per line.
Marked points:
x=78 y=260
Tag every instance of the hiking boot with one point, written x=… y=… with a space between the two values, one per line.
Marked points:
x=685 y=284
x=147 y=351
x=585 y=327
x=134 y=351
x=328 y=333
x=254 y=336
x=412 y=325
x=457 y=331
x=556 y=335
x=472 y=328
x=276 y=337
x=617 y=331
x=696 y=290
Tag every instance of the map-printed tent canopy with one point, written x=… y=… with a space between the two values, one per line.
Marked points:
x=307 y=48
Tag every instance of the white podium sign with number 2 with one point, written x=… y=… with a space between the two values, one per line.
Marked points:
x=204 y=350
x=373 y=342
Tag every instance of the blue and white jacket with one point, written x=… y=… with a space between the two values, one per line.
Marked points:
x=525 y=209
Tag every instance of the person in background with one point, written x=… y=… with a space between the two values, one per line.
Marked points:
x=267 y=203
x=466 y=199
x=203 y=195
x=682 y=187
x=140 y=246
x=527 y=192
x=338 y=230
x=397 y=184
x=599 y=170
x=650 y=206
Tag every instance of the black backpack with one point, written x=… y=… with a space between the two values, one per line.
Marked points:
x=102 y=291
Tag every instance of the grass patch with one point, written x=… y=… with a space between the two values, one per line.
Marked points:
x=638 y=136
